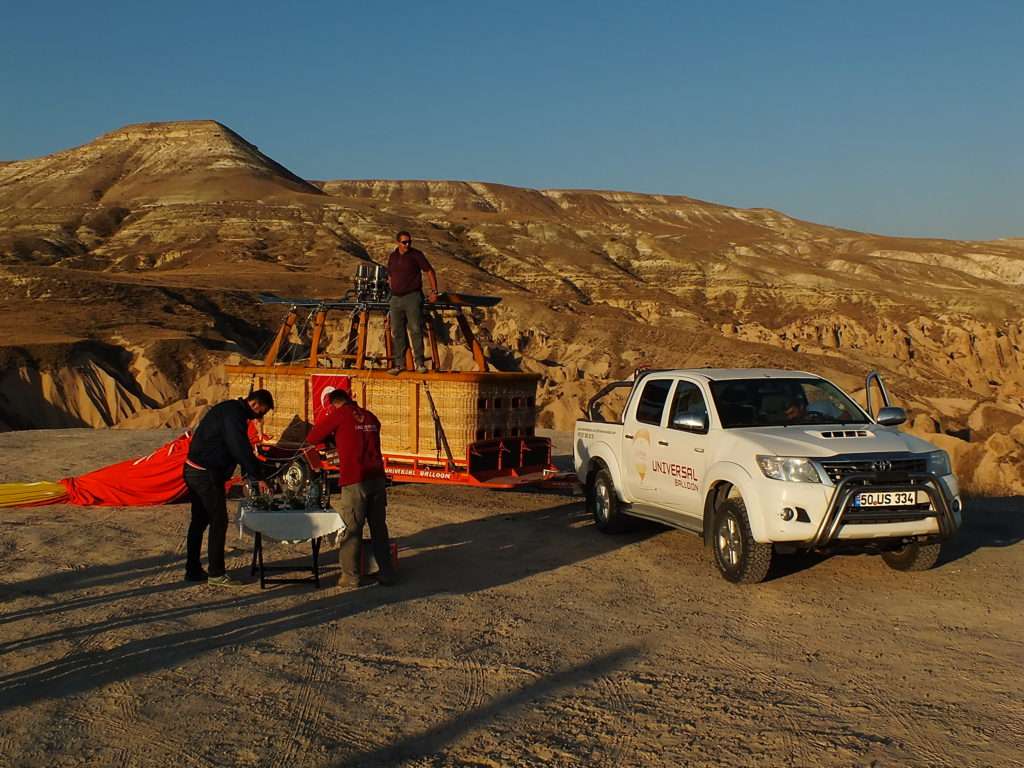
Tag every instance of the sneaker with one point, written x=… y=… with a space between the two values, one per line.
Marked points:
x=199 y=576
x=354 y=582
x=386 y=578
x=223 y=581
x=394 y=371
x=421 y=369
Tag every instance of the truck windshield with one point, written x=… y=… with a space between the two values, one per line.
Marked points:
x=783 y=403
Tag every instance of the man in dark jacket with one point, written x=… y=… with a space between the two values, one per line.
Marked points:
x=406 y=267
x=220 y=442
x=356 y=434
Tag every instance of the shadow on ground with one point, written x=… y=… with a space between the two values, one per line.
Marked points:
x=457 y=558
x=433 y=740
x=989 y=521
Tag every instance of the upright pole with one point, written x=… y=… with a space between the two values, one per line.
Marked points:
x=318 y=329
x=364 y=322
x=282 y=334
x=435 y=357
x=352 y=343
x=389 y=347
x=467 y=332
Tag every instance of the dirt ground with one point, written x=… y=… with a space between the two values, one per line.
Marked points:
x=518 y=635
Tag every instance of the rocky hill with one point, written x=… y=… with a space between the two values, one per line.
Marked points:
x=129 y=265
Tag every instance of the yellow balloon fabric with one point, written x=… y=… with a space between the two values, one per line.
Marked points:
x=27 y=494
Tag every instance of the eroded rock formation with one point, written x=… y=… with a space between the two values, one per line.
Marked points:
x=129 y=266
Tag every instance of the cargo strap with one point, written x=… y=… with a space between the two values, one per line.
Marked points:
x=440 y=439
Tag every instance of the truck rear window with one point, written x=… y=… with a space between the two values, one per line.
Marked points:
x=652 y=401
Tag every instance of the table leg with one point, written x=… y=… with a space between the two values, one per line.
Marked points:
x=316 y=561
x=259 y=552
x=255 y=549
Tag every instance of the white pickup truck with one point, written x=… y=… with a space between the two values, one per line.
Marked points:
x=760 y=462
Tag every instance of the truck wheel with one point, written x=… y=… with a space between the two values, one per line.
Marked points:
x=739 y=558
x=604 y=504
x=913 y=557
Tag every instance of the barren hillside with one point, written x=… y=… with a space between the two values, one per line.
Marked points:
x=130 y=263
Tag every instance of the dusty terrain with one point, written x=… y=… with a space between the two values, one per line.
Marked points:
x=129 y=266
x=519 y=635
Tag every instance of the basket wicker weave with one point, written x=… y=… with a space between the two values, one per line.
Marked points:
x=470 y=407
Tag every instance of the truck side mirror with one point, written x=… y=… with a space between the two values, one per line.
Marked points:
x=891 y=416
x=691 y=422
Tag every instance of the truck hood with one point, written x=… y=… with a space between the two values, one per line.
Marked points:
x=821 y=442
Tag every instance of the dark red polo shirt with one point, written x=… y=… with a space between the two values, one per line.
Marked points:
x=357 y=439
x=405 y=272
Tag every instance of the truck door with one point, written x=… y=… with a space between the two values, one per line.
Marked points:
x=678 y=450
x=639 y=430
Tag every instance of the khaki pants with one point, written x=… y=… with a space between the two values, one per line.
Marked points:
x=364 y=502
x=407 y=311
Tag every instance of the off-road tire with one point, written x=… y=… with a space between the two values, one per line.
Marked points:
x=605 y=505
x=739 y=558
x=913 y=557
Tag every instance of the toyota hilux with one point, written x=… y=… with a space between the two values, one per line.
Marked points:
x=762 y=462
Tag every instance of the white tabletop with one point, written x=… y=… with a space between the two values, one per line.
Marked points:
x=289 y=525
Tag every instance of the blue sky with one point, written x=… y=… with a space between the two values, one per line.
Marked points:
x=903 y=118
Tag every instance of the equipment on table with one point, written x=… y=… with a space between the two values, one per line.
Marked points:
x=291 y=505
x=292 y=484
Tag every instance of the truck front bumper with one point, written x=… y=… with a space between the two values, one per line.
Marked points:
x=843 y=521
x=812 y=515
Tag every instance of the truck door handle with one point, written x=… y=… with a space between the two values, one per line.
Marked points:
x=662 y=442
x=699 y=450
x=628 y=437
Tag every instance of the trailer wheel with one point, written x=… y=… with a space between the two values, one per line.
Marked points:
x=604 y=504
x=913 y=557
x=739 y=558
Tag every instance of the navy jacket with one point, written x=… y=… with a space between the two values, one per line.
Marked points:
x=221 y=441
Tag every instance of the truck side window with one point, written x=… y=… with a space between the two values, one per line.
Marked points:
x=688 y=400
x=652 y=401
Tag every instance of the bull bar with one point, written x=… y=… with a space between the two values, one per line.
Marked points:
x=849 y=486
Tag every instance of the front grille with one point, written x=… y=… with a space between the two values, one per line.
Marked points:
x=856 y=516
x=837 y=469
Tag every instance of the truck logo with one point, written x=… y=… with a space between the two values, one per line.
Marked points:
x=683 y=476
x=882 y=466
x=642 y=452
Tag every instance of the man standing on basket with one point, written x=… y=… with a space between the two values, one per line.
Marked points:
x=356 y=433
x=405 y=267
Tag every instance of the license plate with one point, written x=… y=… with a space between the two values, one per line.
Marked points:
x=886 y=499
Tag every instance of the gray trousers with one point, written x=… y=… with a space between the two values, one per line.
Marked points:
x=364 y=502
x=407 y=312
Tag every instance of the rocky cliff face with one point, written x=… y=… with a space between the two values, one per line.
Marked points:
x=156 y=236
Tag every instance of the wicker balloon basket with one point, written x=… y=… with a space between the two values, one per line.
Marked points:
x=443 y=423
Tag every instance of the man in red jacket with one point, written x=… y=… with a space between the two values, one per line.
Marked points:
x=356 y=434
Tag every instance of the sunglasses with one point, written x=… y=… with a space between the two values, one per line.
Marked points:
x=405 y=242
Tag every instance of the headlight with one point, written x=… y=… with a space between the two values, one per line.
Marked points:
x=938 y=463
x=788 y=468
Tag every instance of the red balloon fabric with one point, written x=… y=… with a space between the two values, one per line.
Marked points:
x=144 y=482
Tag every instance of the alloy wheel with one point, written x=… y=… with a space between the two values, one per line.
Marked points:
x=730 y=541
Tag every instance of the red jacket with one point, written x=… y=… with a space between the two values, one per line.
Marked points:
x=356 y=437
